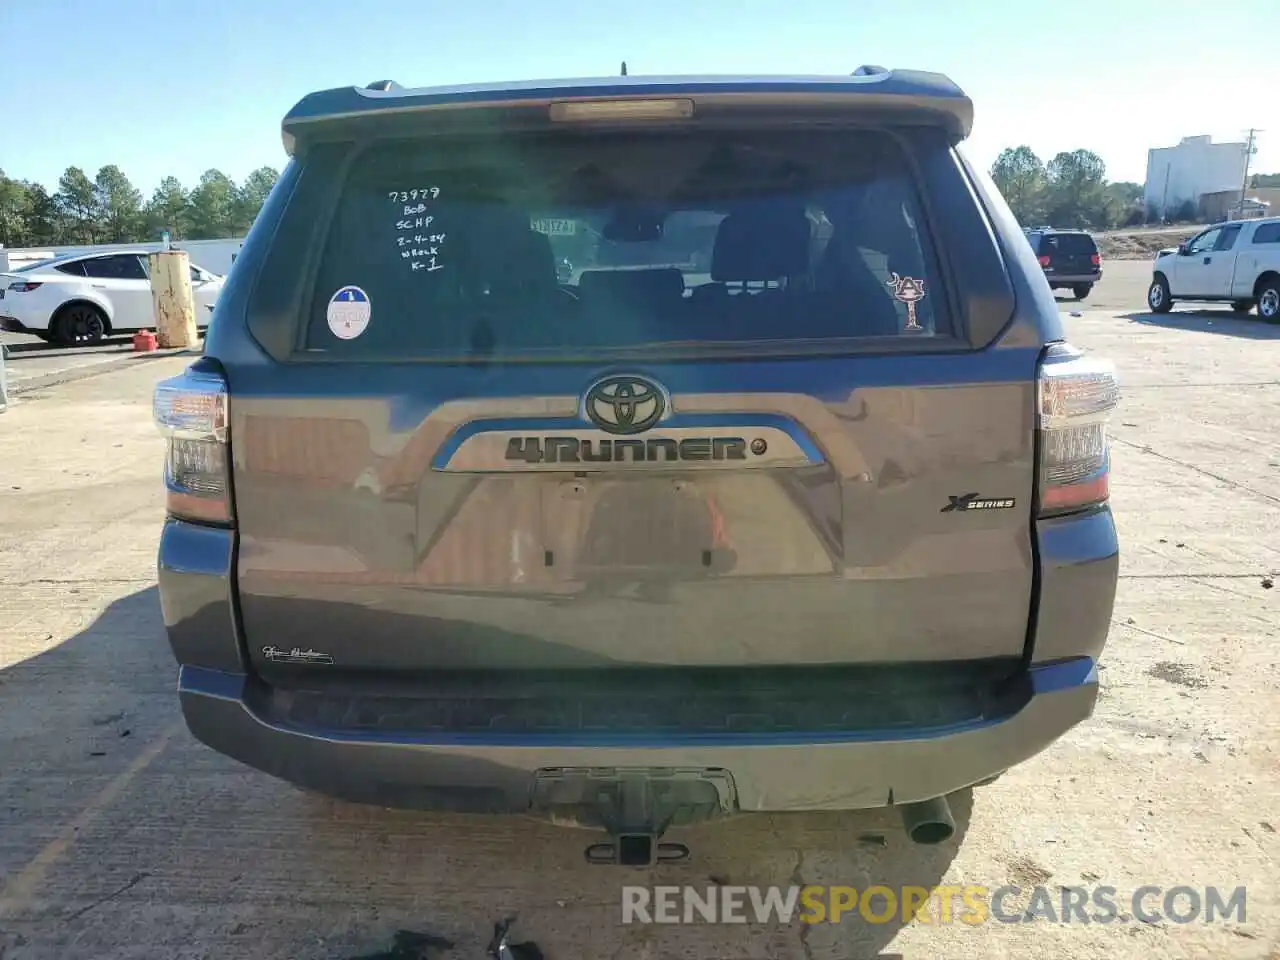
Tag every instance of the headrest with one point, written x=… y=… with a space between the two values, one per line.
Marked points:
x=498 y=219
x=764 y=242
x=506 y=254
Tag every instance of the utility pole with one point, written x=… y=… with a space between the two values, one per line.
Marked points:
x=1164 y=198
x=1249 y=151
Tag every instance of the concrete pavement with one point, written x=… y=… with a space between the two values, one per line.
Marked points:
x=120 y=837
x=32 y=364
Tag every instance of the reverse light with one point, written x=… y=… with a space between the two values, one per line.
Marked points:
x=1075 y=398
x=571 y=111
x=190 y=410
x=24 y=286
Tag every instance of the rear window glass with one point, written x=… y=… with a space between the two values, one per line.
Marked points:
x=1267 y=233
x=576 y=243
x=120 y=267
x=1068 y=244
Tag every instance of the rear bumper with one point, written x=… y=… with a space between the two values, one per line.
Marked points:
x=482 y=770
x=824 y=770
x=1072 y=279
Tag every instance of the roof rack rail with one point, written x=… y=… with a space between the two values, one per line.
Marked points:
x=869 y=70
x=384 y=85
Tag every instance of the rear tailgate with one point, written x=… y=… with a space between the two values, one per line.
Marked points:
x=1070 y=254
x=772 y=442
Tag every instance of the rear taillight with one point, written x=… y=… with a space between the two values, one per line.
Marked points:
x=191 y=411
x=1076 y=395
x=1044 y=261
x=24 y=286
x=1096 y=260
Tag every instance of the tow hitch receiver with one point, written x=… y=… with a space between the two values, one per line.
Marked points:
x=636 y=816
x=636 y=850
x=634 y=806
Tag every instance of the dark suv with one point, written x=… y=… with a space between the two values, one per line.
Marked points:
x=1069 y=258
x=791 y=497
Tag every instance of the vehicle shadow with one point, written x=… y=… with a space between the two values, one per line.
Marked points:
x=1222 y=322
x=75 y=715
x=537 y=872
x=158 y=843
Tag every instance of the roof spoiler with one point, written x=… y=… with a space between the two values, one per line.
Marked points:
x=911 y=91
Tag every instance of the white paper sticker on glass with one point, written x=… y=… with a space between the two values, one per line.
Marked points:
x=348 y=313
x=419 y=237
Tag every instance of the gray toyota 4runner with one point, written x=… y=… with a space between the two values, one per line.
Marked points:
x=789 y=496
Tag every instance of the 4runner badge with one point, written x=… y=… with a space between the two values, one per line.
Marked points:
x=623 y=423
x=971 y=501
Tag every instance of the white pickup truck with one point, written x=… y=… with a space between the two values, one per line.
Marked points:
x=1236 y=263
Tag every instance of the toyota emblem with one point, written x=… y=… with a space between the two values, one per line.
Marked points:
x=625 y=404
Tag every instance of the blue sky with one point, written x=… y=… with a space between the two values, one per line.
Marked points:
x=175 y=87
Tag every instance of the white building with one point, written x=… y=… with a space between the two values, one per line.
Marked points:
x=1196 y=166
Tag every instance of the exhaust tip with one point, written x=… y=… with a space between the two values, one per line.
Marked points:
x=931 y=833
x=929 y=822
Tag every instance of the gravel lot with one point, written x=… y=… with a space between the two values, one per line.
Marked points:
x=120 y=837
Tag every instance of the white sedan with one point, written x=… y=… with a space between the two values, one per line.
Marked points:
x=82 y=298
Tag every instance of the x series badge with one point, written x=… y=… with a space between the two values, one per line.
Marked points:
x=970 y=501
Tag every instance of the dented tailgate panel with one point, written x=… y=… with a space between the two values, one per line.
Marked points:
x=400 y=534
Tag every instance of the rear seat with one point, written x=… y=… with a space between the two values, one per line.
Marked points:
x=507 y=260
x=757 y=243
x=641 y=304
x=868 y=221
x=506 y=272
x=660 y=286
